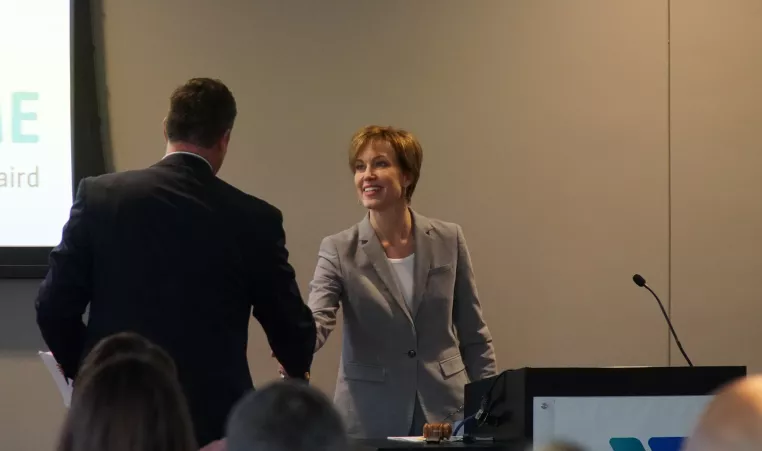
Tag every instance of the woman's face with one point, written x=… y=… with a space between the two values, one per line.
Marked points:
x=379 y=180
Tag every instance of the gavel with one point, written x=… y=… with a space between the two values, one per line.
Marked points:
x=436 y=432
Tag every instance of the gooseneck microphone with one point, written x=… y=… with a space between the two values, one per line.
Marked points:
x=641 y=282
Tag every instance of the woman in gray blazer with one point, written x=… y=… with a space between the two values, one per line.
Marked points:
x=414 y=333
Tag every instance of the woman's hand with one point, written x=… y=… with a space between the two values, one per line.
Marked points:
x=218 y=445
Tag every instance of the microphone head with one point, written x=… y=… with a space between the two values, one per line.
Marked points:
x=639 y=280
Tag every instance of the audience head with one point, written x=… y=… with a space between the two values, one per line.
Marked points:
x=733 y=419
x=285 y=416
x=200 y=119
x=128 y=403
x=122 y=344
x=386 y=162
x=558 y=446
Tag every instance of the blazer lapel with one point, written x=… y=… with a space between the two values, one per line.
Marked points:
x=372 y=247
x=423 y=256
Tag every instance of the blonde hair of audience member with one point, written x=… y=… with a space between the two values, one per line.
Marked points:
x=732 y=420
x=285 y=416
x=122 y=344
x=129 y=403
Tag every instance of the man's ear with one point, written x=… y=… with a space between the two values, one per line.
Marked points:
x=164 y=125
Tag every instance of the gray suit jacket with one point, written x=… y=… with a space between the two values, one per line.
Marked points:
x=390 y=351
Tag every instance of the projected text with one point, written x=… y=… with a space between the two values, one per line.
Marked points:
x=36 y=180
x=22 y=109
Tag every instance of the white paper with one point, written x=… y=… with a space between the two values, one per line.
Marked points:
x=64 y=385
x=407 y=439
x=455 y=427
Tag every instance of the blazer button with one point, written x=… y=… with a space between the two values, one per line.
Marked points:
x=411 y=353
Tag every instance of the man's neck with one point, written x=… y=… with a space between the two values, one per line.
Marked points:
x=185 y=148
x=173 y=147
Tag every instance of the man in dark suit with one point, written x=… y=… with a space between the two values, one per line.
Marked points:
x=177 y=255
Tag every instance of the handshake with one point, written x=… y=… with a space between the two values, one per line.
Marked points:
x=284 y=375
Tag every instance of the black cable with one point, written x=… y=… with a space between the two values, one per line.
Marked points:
x=453 y=413
x=487 y=404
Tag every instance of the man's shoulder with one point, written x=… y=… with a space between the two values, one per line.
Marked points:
x=148 y=178
x=125 y=179
x=248 y=201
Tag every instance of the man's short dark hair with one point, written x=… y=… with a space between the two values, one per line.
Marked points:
x=285 y=416
x=200 y=112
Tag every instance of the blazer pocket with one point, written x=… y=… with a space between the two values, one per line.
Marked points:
x=440 y=269
x=360 y=372
x=452 y=365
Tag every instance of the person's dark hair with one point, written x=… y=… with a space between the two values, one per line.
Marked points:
x=285 y=416
x=128 y=403
x=200 y=112
x=121 y=344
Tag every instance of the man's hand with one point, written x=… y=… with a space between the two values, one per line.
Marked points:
x=281 y=371
x=284 y=375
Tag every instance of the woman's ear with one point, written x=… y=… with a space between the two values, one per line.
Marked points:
x=406 y=180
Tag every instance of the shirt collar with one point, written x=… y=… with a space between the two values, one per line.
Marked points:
x=190 y=153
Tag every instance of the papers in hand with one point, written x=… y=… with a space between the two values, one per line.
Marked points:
x=407 y=439
x=64 y=385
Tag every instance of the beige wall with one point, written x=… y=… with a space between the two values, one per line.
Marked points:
x=546 y=133
x=717 y=179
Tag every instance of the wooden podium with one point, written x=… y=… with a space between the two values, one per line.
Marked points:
x=597 y=408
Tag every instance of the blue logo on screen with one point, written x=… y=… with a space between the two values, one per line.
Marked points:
x=655 y=443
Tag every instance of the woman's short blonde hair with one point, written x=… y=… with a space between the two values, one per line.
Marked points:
x=406 y=148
